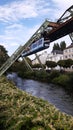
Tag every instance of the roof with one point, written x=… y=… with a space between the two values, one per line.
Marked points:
x=57 y=52
x=70 y=46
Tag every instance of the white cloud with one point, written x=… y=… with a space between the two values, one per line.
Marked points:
x=22 y=9
x=16 y=35
x=61 y=6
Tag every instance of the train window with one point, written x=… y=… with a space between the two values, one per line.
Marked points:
x=34 y=45
x=40 y=41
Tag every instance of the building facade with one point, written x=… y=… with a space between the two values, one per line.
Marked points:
x=55 y=56
x=68 y=52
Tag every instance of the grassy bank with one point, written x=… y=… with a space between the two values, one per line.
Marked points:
x=63 y=79
x=21 y=111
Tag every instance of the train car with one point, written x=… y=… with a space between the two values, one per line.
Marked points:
x=37 y=46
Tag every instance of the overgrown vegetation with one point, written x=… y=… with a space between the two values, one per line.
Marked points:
x=63 y=79
x=3 y=55
x=21 y=111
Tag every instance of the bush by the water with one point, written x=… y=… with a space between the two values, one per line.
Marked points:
x=61 y=80
x=65 y=80
x=21 y=111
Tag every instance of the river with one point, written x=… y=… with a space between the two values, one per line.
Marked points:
x=52 y=93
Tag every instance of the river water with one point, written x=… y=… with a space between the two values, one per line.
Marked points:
x=52 y=93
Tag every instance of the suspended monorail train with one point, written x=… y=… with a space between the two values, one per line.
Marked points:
x=37 y=46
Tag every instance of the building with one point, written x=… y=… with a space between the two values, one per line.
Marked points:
x=68 y=52
x=55 y=56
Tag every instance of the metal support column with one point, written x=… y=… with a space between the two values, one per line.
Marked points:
x=27 y=64
x=71 y=36
x=39 y=61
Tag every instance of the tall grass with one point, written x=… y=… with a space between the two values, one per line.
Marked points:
x=21 y=111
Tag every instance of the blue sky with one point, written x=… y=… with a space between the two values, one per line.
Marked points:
x=19 y=19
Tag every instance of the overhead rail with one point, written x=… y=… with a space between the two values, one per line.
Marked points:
x=52 y=31
x=68 y=14
x=71 y=36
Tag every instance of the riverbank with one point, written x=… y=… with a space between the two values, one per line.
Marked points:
x=63 y=79
x=19 y=111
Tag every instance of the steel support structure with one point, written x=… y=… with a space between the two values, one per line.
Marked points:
x=39 y=60
x=71 y=36
x=27 y=64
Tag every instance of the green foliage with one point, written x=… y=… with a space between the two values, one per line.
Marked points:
x=36 y=65
x=61 y=80
x=3 y=55
x=68 y=63
x=56 y=47
x=61 y=63
x=51 y=64
x=60 y=47
x=19 y=67
x=29 y=74
x=42 y=75
x=70 y=81
x=21 y=111
x=65 y=63
x=2 y=48
x=37 y=75
x=54 y=74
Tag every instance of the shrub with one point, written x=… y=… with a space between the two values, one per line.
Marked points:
x=61 y=80
x=54 y=74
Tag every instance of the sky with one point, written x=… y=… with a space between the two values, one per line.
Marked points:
x=19 y=19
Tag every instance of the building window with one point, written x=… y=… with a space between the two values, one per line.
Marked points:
x=65 y=50
x=66 y=57
x=69 y=56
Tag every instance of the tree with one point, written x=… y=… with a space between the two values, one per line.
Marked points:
x=68 y=63
x=65 y=63
x=62 y=45
x=61 y=63
x=51 y=64
x=36 y=65
x=56 y=47
x=3 y=55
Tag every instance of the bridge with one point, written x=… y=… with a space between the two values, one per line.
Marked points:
x=41 y=39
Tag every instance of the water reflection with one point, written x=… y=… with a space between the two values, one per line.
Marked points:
x=54 y=94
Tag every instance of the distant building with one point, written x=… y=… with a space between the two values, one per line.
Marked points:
x=55 y=56
x=68 y=52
